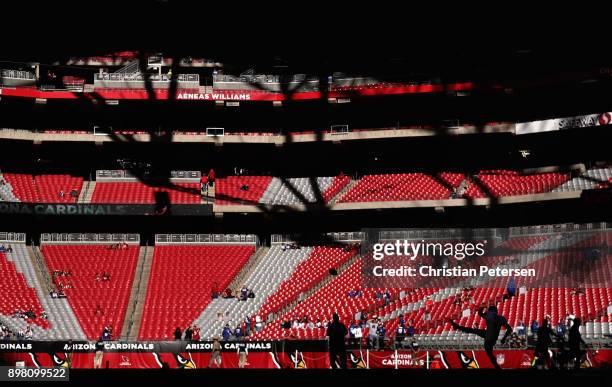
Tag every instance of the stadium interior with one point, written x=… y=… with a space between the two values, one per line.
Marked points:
x=148 y=191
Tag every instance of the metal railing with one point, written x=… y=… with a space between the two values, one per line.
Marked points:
x=130 y=68
x=111 y=174
x=200 y=239
x=355 y=236
x=135 y=301
x=78 y=238
x=42 y=269
x=142 y=77
x=558 y=228
x=12 y=237
x=483 y=233
x=17 y=74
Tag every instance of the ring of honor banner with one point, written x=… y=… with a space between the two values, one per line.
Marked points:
x=104 y=209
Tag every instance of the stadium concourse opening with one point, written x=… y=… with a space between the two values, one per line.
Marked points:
x=180 y=212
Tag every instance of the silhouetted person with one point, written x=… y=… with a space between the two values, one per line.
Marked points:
x=336 y=331
x=177 y=333
x=574 y=341
x=494 y=324
x=541 y=357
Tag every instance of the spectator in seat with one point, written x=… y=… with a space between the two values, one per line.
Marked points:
x=74 y=193
x=402 y=320
x=7 y=334
x=227 y=332
x=177 y=333
x=196 y=333
x=259 y=325
x=521 y=329
x=238 y=332
x=534 y=328
x=203 y=185
x=244 y=187
x=410 y=330
x=247 y=325
x=511 y=288
x=43 y=315
x=211 y=177
x=387 y=298
x=561 y=330
x=215 y=290
x=244 y=293
x=569 y=320
x=364 y=315
x=381 y=331
x=61 y=194
x=428 y=303
x=400 y=334
x=372 y=332
x=457 y=299
x=28 y=333
x=9 y=249
x=188 y=334
x=107 y=334
x=251 y=294
x=353 y=339
x=98 y=311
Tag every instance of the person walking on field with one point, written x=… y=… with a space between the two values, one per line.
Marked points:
x=243 y=352
x=99 y=354
x=336 y=332
x=215 y=356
